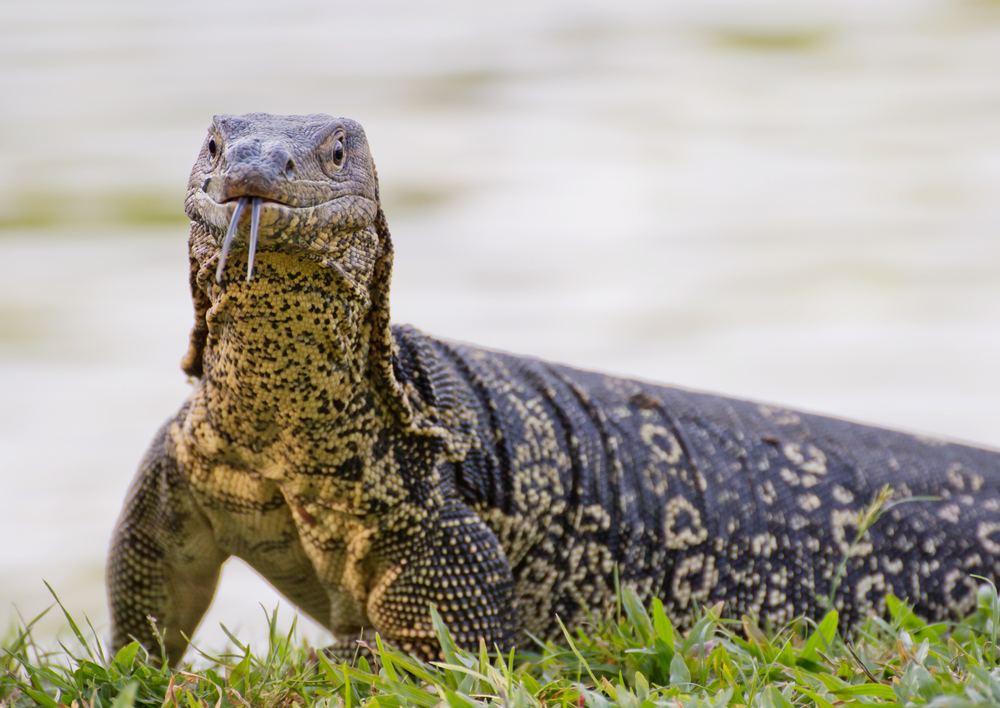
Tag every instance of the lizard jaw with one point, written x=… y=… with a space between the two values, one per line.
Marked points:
x=315 y=229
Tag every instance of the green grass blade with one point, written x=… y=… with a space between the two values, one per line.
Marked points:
x=822 y=638
x=448 y=647
x=72 y=623
x=637 y=613
x=386 y=659
x=868 y=689
x=664 y=629
x=126 y=698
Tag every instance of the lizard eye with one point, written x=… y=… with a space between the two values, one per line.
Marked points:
x=334 y=153
x=213 y=148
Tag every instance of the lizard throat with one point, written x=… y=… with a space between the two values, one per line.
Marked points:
x=287 y=355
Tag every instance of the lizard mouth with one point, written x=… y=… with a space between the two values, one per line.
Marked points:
x=316 y=227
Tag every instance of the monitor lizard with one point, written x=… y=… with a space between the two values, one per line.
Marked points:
x=369 y=471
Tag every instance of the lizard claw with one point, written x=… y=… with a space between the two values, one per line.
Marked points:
x=233 y=224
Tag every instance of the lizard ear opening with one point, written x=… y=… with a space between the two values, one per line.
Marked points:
x=384 y=350
x=193 y=363
x=383 y=344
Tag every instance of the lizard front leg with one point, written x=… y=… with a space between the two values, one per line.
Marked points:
x=448 y=558
x=164 y=560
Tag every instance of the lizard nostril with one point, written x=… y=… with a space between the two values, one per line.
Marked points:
x=290 y=169
x=204 y=186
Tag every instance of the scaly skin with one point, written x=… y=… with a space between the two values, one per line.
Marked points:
x=369 y=471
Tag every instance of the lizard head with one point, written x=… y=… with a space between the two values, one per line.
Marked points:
x=308 y=180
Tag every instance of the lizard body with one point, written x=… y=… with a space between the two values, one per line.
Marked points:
x=368 y=470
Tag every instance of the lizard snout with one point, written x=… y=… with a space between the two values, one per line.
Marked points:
x=252 y=167
x=259 y=178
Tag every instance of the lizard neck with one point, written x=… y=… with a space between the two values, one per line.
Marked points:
x=296 y=365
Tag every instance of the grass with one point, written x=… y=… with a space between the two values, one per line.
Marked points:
x=635 y=660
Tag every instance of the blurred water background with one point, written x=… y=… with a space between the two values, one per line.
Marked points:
x=795 y=202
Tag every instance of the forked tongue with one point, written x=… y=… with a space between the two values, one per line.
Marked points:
x=231 y=234
x=254 y=225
